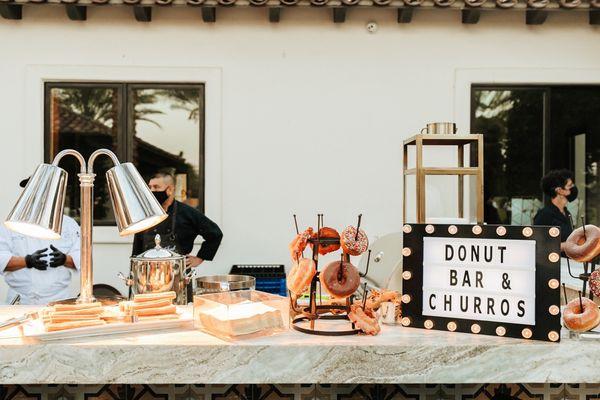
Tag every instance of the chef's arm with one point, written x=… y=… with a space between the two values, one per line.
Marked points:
x=70 y=263
x=8 y=262
x=212 y=235
x=15 y=263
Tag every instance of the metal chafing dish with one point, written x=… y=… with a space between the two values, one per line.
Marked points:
x=223 y=283
x=159 y=270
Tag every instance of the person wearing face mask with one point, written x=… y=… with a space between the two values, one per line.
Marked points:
x=560 y=189
x=181 y=228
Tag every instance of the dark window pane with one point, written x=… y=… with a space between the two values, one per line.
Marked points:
x=83 y=118
x=512 y=122
x=574 y=143
x=167 y=125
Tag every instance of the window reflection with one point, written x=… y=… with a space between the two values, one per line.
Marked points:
x=83 y=118
x=531 y=130
x=512 y=122
x=167 y=136
x=157 y=127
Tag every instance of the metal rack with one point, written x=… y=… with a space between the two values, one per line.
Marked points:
x=420 y=171
x=314 y=311
x=588 y=268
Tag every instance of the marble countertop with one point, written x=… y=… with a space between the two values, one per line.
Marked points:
x=396 y=355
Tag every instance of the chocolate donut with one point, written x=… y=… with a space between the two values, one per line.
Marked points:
x=340 y=279
x=579 y=320
x=583 y=247
x=351 y=243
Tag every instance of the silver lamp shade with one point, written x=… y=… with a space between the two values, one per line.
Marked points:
x=136 y=208
x=39 y=210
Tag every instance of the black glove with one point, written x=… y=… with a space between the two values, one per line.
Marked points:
x=57 y=257
x=37 y=260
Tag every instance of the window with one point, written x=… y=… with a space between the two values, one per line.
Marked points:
x=530 y=130
x=157 y=127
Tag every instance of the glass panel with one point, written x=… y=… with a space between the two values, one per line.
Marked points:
x=167 y=125
x=512 y=122
x=575 y=144
x=84 y=119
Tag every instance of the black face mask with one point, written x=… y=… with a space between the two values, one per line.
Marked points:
x=161 y=196
x=573 y=195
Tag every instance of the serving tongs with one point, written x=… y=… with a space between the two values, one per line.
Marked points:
x=20 y=320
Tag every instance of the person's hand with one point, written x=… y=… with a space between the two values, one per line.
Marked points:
x=57 y=257
x=192 y=261
x=37 y=260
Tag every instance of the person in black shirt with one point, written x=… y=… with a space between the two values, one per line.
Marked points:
x=181 y=228
x=558 y=185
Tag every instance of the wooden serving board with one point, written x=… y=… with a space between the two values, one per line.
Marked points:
x=35 y=329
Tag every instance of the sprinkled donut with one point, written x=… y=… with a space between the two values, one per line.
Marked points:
x=351 y=243
x=594 y=281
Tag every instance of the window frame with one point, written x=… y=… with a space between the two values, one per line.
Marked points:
x=125 y=134
x=546 y=89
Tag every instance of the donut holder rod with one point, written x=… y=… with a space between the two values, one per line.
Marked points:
x=322 y=312
x=588 y=268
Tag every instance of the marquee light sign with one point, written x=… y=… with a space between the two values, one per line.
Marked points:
x=488 y=279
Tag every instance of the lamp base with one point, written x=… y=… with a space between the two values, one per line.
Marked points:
x=105 y=300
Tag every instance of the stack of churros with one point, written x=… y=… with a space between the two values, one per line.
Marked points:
x=68 y=316
x=151 y=306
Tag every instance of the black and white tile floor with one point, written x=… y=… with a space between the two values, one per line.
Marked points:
x=302 y=392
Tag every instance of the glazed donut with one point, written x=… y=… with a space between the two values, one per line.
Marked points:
x=301 y=275
x=299 y=243
x=340 y=279
x=376 y=297
x=594 y=281
x=365 y=320
x=583 y=248
x=351 y=244
x=327 y=233
x=581 y=321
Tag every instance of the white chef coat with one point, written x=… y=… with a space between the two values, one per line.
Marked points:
x=35 y=286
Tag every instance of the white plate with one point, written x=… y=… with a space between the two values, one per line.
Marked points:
x=35 y=329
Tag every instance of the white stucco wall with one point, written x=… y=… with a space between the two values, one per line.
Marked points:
x=295 y=98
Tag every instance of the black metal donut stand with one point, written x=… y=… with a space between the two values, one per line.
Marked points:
x=314 y=311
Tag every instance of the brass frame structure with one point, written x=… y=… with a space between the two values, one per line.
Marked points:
x=420 y=171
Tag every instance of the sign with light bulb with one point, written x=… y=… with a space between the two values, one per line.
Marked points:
x=488 y=279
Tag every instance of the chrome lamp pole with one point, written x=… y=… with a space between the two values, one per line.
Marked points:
x=39 y=210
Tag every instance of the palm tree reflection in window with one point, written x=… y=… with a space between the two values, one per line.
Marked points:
x=172 y=140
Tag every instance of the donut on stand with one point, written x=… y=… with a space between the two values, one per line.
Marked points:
x=581 y=315
x=583 y=245
x=328 y=238
x=340 y=279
